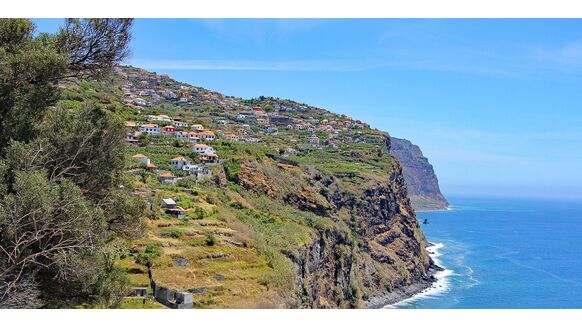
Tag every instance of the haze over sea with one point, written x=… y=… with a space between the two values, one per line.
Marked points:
x=505 y=253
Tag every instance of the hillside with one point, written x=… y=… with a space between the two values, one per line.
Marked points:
x=258 y=203
x=422 y=182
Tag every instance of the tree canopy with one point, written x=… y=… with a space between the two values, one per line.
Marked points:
x=61 y=211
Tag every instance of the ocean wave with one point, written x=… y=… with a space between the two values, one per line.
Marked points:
x=441 y=285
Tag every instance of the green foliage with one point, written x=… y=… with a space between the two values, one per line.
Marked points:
x=232 y=170
x=198 y=214
x=210 y=240
x=175 y=234
x=148 y=255
x=59 y=166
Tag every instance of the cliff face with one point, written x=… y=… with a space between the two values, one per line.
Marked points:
x=422 y=182
x=374 y=251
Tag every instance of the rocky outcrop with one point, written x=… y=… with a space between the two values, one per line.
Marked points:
x=422 y=182
x=377 y=252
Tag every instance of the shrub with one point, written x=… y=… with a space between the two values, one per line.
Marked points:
x=148 y=255
x=237 y=205
x=210 y=240
x=175 y=234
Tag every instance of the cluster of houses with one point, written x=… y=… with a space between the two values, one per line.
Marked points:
x=242 y=123
x=174 y=128
x=143 y=89
x=200 y=171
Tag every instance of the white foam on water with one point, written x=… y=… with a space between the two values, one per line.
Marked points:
x=441 y=285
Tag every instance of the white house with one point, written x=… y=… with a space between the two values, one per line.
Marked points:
x=180 y=163
x=180 y=124
x=198 y=127
x=207 y=135
x=314 y=140
x=182 y=135
x=202 y=149
x=152 y=129
x=252 y=140
x=200 y=171
x=167 y=178
x=271 y=130
x=142 y=159
x=160 y=117
x=168 y=94
x=140 y=102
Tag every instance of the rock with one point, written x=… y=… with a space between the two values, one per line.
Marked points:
x=197 y=290
x=422 y=182
x=182 y=262
x=218 y=277
x=217 y=255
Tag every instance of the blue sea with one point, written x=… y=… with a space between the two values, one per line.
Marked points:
x=505 y=253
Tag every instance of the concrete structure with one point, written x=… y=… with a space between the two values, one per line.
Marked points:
x=173 y=299
x=168 y=203
x=132 y=138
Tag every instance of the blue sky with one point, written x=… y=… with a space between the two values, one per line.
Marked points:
x=496 y=105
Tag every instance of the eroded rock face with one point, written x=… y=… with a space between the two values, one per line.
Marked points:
x=385 y=251
x=422 y=182
x=374 y=247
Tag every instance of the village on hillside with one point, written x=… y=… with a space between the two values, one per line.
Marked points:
x=184 y=141
x=296 y=127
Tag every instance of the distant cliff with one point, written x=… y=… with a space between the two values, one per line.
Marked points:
x=422 y=182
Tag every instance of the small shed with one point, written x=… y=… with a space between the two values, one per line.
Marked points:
x=168 y=203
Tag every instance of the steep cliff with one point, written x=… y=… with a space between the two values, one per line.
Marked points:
x=371 y=250
x=422 y=182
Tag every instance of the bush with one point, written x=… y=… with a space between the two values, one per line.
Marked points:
x=148 y=255
x=237 y=205
x=198 y=213
x=210 y=240
x=232 y=170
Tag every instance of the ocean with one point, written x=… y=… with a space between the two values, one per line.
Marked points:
x=504 y=253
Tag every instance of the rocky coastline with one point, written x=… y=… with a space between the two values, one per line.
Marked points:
x=405 y=292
